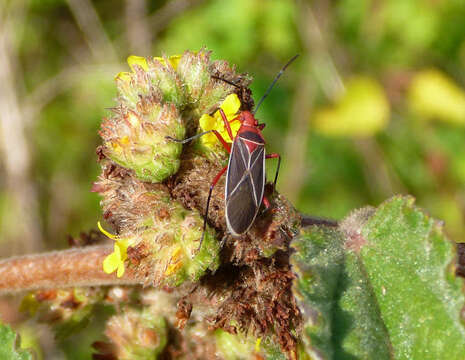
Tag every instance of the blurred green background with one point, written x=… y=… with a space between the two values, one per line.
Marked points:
x=374 y=106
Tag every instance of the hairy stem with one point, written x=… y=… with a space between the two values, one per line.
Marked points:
x=59 y=269
x=308 y=220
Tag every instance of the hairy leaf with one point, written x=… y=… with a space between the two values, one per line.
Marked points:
x=410 y=265
x=339 y=310
x=381 y=286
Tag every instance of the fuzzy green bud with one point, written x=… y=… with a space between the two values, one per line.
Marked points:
x=203 y=92
x=165 y=244
x=193 y=68
x=150 y=77
x=137 y=140
x=162 y=97
x=167 y=81
x=136 y=334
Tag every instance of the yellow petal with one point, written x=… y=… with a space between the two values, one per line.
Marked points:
x=122 y=248
x=209 y=140
x=257 y=345
x=115 y=261
x=123 y=75
x=111 y=236
x=110 y=263
x=174 y=61
x=120 y=271
x=231 y=105
x=117 y=250
x=235 y=125
x=160 y=59
x=137 y=60
x=207 y=122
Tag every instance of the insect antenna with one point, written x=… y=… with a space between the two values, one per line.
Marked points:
x=226 y=81
x=274 y=82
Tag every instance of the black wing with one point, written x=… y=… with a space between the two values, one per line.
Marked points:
x=245 y=182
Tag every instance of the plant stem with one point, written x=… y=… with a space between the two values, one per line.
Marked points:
x=308 y=220
x=59 y=269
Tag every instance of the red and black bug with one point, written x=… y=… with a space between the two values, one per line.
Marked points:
x=245 y=172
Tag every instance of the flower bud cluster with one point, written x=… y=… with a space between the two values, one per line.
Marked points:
x=157 y=236
x=160 y=98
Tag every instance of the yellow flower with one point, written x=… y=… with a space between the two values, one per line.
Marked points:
x=142 y=62
x=173 y=60
x=230 y=106
x=139 y=61
x=363 y=111
x=115 y=261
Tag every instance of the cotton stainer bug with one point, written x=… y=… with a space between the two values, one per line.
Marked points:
x=245 y=172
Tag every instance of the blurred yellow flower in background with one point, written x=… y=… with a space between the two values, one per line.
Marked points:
x=362 y=111
x=433 y=95
x=230 y=106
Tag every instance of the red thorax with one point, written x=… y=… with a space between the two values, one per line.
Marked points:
x=247 y=119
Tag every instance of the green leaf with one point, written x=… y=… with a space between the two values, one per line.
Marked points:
x=9 y=348
x=410 y=265
x=341 y=319
x=381 y=286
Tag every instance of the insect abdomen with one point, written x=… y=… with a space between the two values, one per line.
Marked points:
x=245 y=183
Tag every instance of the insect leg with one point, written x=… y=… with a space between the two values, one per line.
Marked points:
x=226 y=123
x=273 y=156
x=217 y=134
x=214 y=182
x=266 y=202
